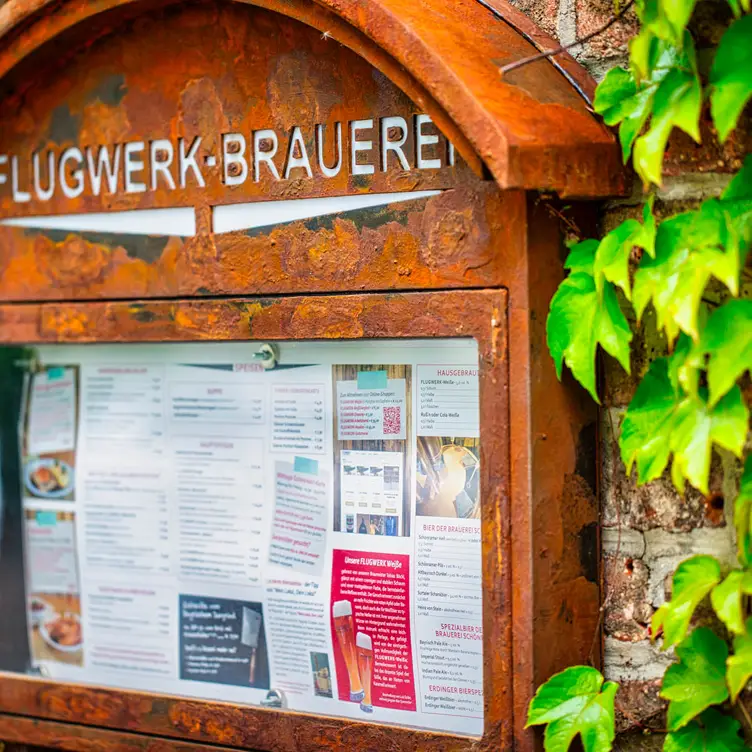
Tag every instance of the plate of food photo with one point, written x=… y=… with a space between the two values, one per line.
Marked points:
x=63 y=632
x=49 y=478
x=39 y=611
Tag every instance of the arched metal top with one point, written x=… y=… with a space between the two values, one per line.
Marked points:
x=533 y=129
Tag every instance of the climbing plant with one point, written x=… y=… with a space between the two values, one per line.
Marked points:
x=687 y=272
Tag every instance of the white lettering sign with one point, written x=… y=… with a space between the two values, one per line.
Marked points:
x=365 y=146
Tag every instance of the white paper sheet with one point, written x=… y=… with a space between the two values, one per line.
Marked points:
x=210 y=548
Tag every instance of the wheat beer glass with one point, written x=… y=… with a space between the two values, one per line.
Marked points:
x=364 y=650
x=343 y=626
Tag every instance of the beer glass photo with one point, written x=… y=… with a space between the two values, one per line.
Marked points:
x=343 y=626
x=364 y=650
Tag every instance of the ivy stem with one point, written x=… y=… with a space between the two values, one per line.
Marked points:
x=745 y=712
x=563 y=48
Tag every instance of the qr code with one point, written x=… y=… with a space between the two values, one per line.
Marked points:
x=393 y=420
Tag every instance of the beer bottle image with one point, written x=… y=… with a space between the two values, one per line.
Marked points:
x=343 y=626
x=364 y=650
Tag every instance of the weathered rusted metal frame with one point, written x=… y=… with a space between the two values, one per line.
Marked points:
x=433 y=51
x=273 y=260
x=478 y=314
x=577 y=76
x=543 y=438
x=554 y=599
x=16 y=730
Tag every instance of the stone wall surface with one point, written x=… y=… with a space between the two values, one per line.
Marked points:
x=647 y=531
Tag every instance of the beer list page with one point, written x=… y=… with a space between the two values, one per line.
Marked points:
x=199 y=526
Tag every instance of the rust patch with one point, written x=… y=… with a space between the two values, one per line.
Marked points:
x=428 y=243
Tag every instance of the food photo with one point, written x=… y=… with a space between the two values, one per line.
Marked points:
x=49 y=478
x=56 y=631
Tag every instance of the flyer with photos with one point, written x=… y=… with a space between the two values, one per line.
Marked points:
x=197 y=525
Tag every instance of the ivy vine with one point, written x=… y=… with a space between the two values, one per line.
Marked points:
x=688 y=268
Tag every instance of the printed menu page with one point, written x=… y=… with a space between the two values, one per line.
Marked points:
x=199 y=526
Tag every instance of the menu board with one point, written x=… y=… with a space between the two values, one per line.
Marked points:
x=197 y=525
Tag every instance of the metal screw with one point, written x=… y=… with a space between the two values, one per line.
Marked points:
x=268 y=356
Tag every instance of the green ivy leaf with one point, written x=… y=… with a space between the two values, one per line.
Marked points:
x=641 y=51
x=685 y=365
x=716 y=237
x=658 y=277
x=743 y=514
x=582 y=256
x=740 y=6
x=618 y=100
x=678 y=13
x=690 y=248
x=740 y=186
x=648 y=423
x=727 y=600
x=575 y=701
x=736 y=7
x=693 y=579
x=612 y=258
x=628 y=98
x=731 y=76
x=612 y=255
x=739 y=665
x=697 y=427
x=649 y=227
x=662 y=419
x=677 y=103
x=728 y=340
x=665 y=18
x=714 y=733
x=579 y=320
x=613 y=93
x=698 y=680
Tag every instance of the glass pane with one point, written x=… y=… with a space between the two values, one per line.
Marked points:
x=293 y=524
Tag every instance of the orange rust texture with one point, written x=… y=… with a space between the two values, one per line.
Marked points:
x=439 y=314
x=448 y=240
x=553 y=507
x=176 y=725
x=204 y=70
x=564 y=491
x=48 y=735
x=479 y=314
x=530 y=128
x=213 y=67
x=563 y=61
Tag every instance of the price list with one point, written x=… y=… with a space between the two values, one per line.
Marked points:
x=298 y=421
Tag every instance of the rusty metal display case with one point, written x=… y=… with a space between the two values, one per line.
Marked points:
x=209 y=105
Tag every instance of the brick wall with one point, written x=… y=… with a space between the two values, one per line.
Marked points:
x=647 y=531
